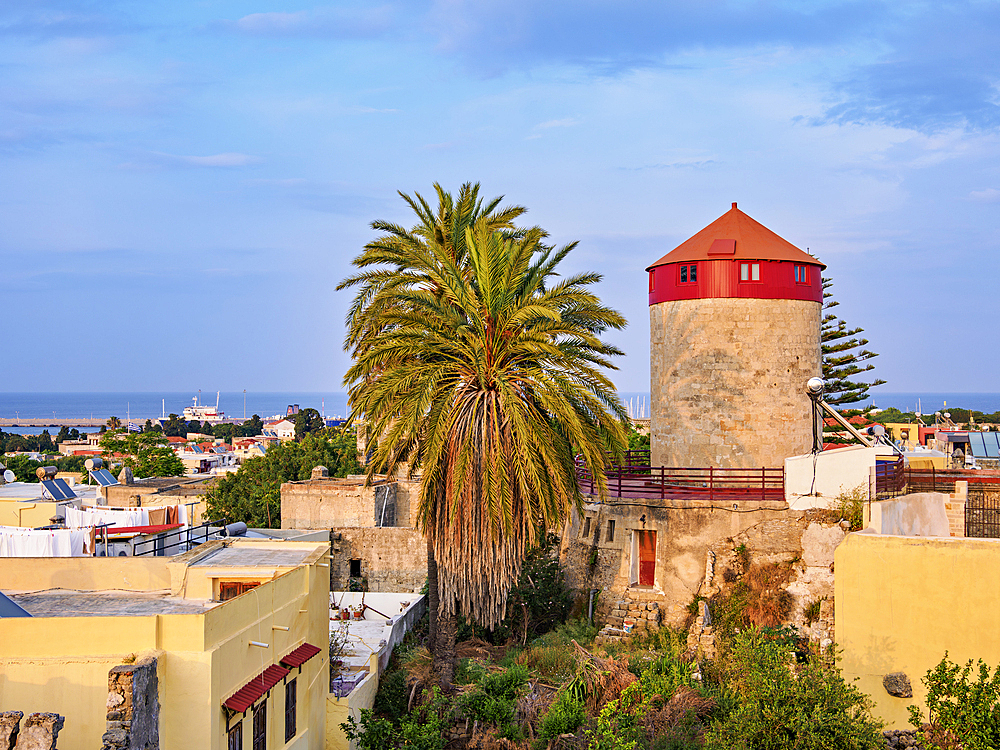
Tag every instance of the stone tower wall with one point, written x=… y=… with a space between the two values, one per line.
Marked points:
x=728 y=380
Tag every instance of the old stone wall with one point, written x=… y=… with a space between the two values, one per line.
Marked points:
x=40 y=731
x=684 y=534
x=336 y=503
x=728 y=381
x=133 y=707
x=391 y=559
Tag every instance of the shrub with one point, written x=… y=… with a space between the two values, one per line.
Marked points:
x=552 y=662
x=564 y=716
x=392 y=696
x=782 y=706
x=962 y=712
x=852 y=504
x=421 y=729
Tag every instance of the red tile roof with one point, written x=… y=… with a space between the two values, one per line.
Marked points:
x=300 y=656
x=750 y=238
x=247 y=695
x=176 y=439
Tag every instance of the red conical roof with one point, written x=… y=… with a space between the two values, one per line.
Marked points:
x=753 y=241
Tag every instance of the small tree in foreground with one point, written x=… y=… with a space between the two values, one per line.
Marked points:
x=961 y=712
x=780 y=705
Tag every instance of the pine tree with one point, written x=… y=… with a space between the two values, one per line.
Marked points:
x=844 y=357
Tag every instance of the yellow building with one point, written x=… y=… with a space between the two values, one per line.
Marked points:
x=901 y=602
x=238 y=630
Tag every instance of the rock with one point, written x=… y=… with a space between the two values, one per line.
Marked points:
x=897 y=684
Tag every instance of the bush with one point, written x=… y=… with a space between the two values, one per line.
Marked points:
x=551 y=662
x=564 y=716
x=852 y=504
x=392 y=696
x=780 y=706
x=421 y=729
x=961 y=712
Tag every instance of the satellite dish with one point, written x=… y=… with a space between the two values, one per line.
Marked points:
x=947 y=415
x=8 y=476
x=92 y=464
x=878 y=430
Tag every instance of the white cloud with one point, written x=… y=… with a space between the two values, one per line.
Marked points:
x=990 y=195
x=219 y=160
x=566 y=122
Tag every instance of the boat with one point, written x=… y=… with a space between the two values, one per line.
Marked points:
x=204 y=413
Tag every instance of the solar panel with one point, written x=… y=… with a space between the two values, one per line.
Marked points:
x=990 y=439
x=104 y=477
x=58 y=489
x=196 y=449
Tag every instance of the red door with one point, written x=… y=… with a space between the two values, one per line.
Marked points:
x=647 y=558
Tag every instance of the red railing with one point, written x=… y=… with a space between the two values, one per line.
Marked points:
x=635 y=478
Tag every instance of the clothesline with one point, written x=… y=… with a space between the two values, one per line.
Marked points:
x=16 y=541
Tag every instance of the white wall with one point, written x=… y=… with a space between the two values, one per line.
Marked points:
x=919 y=514
x=836 y=471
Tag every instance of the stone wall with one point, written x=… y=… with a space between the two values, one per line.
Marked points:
x=685 y=533
x=40 y=731
x=392 y=559
x=336 y=503
x=728 y=381
x=133 y=707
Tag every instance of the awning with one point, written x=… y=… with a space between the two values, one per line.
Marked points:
x=300 y=656
x=247 y=695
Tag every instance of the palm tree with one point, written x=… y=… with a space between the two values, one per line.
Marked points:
x=480 y=372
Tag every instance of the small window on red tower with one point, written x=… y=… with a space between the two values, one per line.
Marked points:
x=749 y=271
x=652 y=280
x=689 y=274
x=801 y=274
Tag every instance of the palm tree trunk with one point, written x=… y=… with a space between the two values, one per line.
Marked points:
x=432 y=596
x=444 y=650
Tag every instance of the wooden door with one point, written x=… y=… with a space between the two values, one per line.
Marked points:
x=647 y=558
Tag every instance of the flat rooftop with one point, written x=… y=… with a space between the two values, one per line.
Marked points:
x=67 y=603
x=241 y=556
x=33 y=491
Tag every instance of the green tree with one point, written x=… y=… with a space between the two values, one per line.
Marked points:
x=63 y=434
x=253 y=426
x=473 y=362
x=306 y=421
x=146 y=453
x=175 y=427
x=114 y=423
x=782 y=706
x=844 y=357
x=253 y=494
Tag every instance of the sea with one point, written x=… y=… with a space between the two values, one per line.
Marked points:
x=140 y=406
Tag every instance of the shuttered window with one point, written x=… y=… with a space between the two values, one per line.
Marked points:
x=290 y=699
x=260 y=726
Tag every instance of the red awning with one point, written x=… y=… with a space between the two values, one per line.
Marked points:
x=247 y=695
x=300 y=656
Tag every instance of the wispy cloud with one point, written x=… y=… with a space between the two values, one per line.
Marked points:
x=321 y=22
x=566 y=122
x=153 y=159
x=990 y=195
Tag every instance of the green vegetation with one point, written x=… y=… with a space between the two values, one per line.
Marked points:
x=963 y=707
x=844 y=357
x=11 y=443
x=851 y=504
x=24 y=468
x=147 y=454
x=480 y=364
x=253 y=494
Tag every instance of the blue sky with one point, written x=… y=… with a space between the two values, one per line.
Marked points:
x=185 y=183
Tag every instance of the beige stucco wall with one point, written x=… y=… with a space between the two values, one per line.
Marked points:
x=901 y=602
x=61 y=664
x=325 y=503
x=392 y=559
x=835 y=471
x=727 y=381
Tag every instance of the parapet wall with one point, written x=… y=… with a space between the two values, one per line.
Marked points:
x=391 y=559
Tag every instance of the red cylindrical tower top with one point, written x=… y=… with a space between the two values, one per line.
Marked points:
x=735 y=256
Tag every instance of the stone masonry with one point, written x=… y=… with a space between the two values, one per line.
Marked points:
x=728 y=380
x=39 y=732
x=133 y=721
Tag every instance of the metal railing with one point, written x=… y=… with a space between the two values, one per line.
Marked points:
x=982 y=512
x=186 y=538
x=635 y=478
x=890 y=478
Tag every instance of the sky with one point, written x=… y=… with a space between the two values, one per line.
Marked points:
x=183 y=184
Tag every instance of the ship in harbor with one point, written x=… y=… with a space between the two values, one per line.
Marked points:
x=202 y=413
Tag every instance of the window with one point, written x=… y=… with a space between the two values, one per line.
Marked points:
x=586 y=527
x=749 y=271
x=801 y=274
x=689 y=274
x=260 y=726
x=355 y=568
x=611 y=531
x=236 y=736
x=231 y=589
x=652 y=280
x=289 y=710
